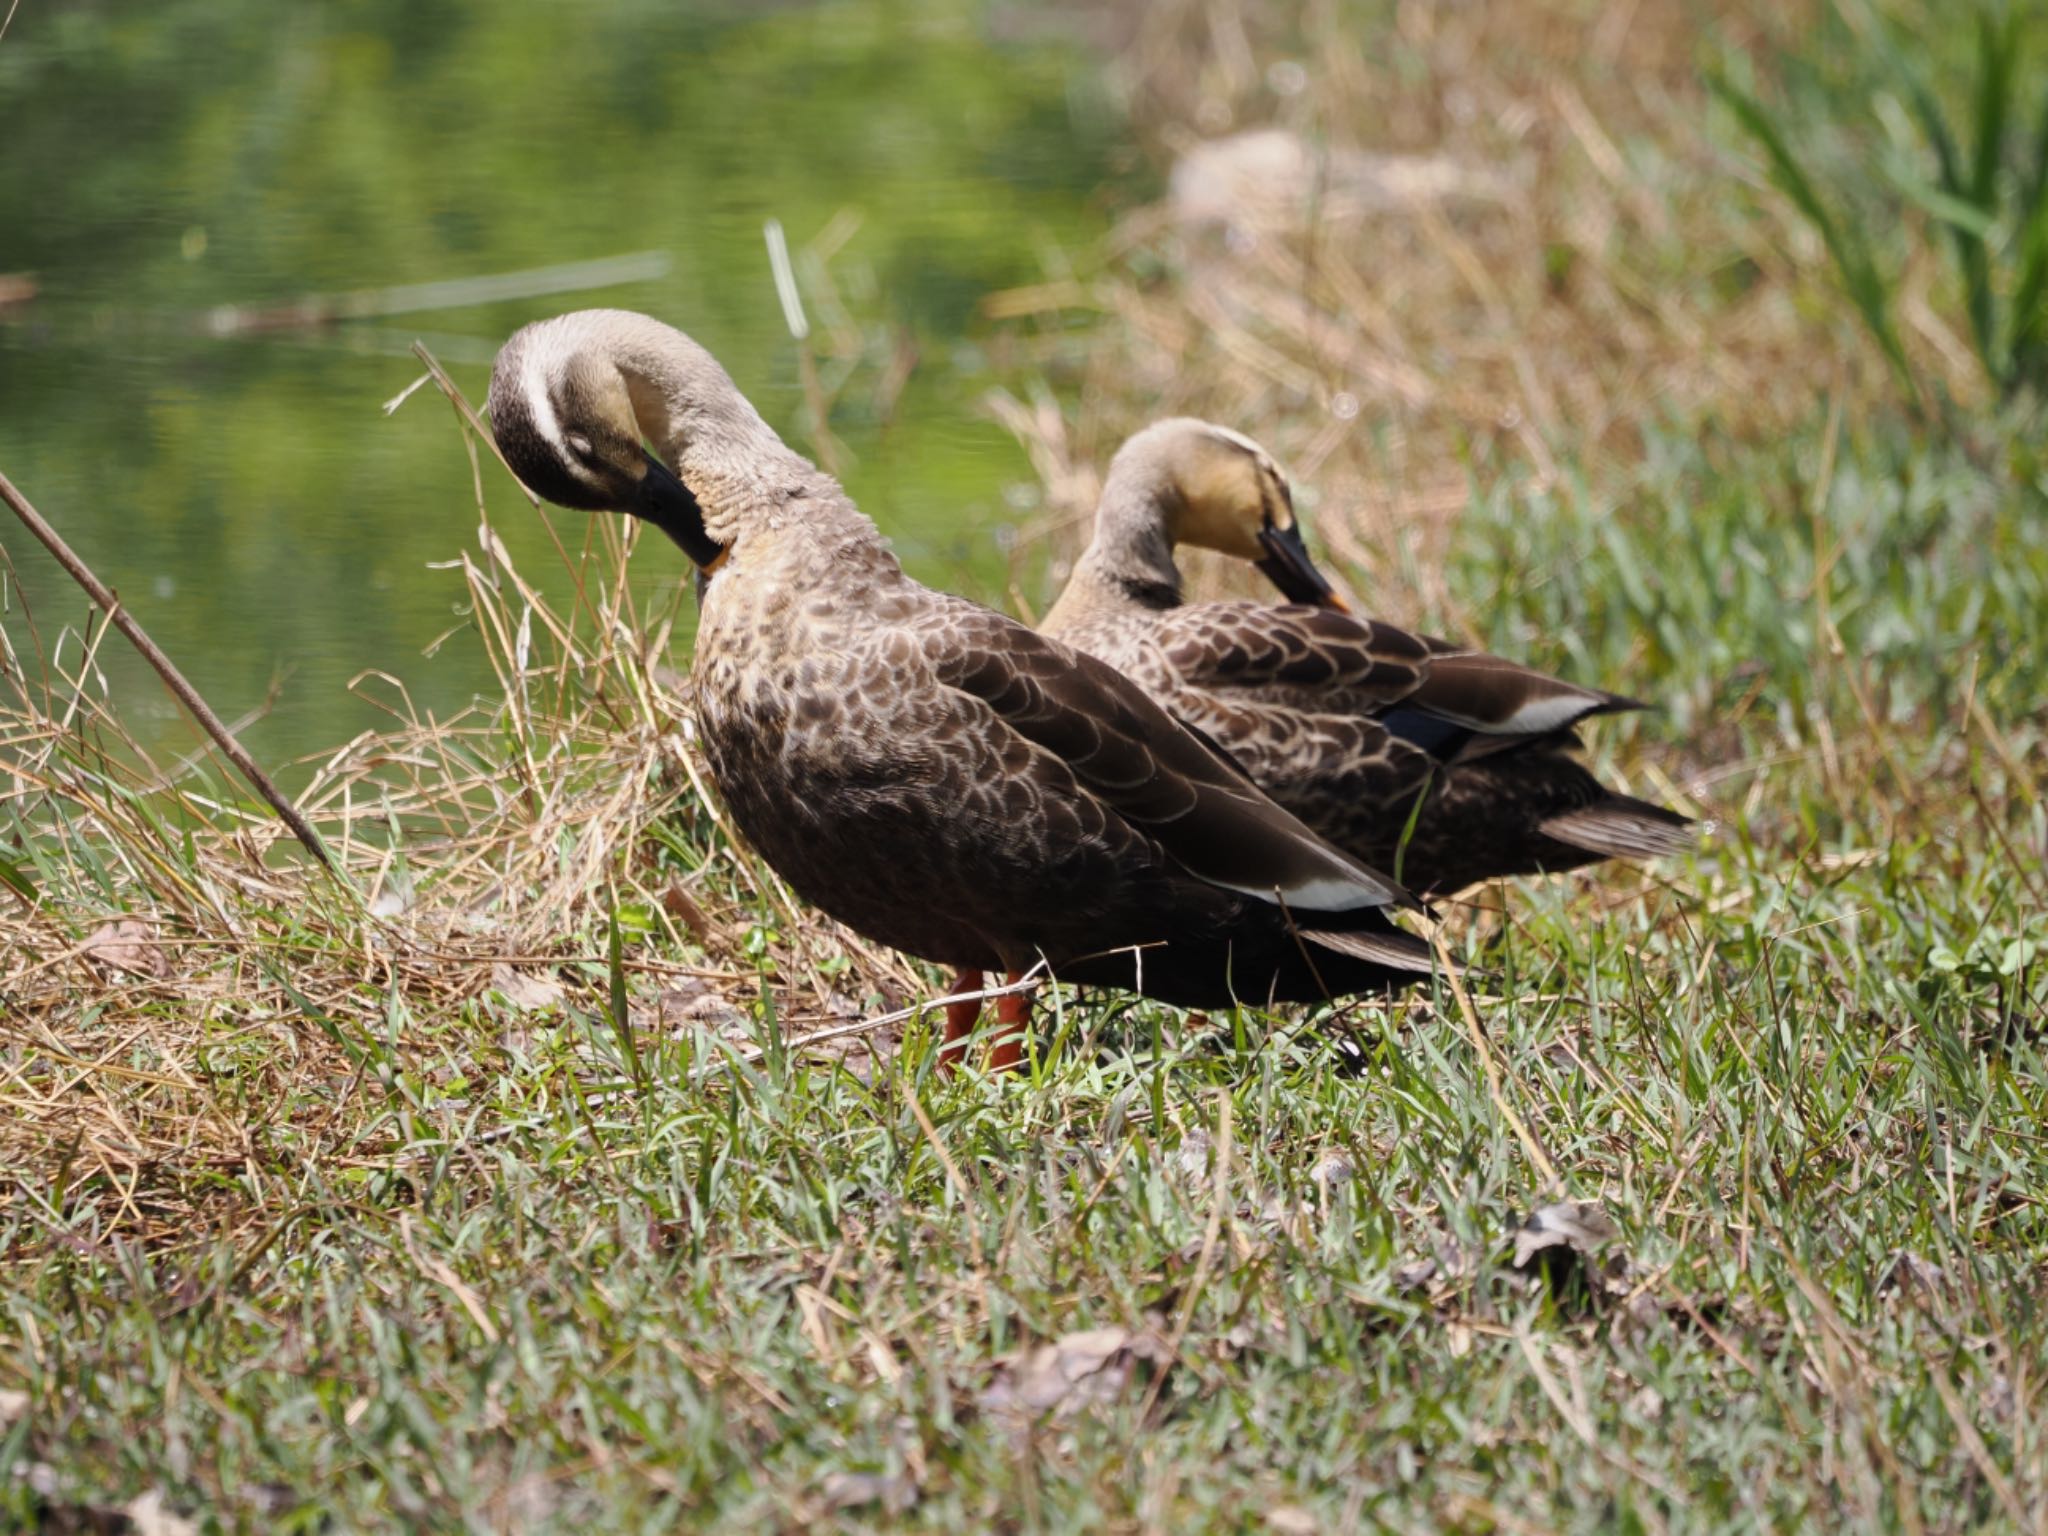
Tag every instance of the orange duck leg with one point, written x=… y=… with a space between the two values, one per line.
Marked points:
x=1013 y=1018
x=960 y=1017
x=1013 y=1015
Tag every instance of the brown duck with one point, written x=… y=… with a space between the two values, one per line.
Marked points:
x=935 y=775
x=1442 y=763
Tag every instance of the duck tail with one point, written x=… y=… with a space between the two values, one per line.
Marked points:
x=1623 y=827
x=1391 y=947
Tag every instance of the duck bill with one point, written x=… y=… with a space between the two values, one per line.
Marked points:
x=1289 y=568
x=672 y=507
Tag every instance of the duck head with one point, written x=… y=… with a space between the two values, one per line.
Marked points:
x=1217 y=489
x=567 y=410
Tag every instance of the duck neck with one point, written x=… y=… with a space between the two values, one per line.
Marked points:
x=1130 y=559
x=743 y=476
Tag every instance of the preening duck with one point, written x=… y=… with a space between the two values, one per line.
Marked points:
x=1444 y=764
x=937 y=776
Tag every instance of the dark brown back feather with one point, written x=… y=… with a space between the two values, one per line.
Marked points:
x=1172 y=783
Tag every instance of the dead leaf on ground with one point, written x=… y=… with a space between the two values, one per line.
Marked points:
x=127 y=944
x=866 y=1056
x=683 y=907
x=526 y=1503
x=694 y=1000
x=1291 y=1520
x=1190 y=1160
x=1907 y=1275
x=145 y=1515
x=1332 y=1171
x=526 y=990
x=1076 y=1371
x=894 y=1491
x=842 y=1008
x=1449 y=1265
x=1582 y=1227
x=1564 y=1246
x=394 y=895
x=148 y=1515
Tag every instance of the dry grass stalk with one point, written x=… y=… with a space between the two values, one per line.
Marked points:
x=1534 y=247
x=177 y=998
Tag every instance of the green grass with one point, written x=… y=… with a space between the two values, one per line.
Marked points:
x=467 y=1273
x=1981 y=178
x=521 y=1193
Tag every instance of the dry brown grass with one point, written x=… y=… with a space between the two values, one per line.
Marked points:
x=1494 y=235
x=185 y=992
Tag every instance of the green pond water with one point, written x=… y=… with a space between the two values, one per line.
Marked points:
x=245 y=493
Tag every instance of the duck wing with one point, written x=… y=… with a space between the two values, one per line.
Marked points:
x=1503 y=702
x=1349 y=720
x=1164 y=779
x=1451 y=702
x=1263 y=646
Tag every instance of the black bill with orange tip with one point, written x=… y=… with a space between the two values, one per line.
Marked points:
x=1289 y=568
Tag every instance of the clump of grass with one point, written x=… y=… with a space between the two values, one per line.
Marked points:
x=1982 y=181
x=481 y=861
x=1493 y=239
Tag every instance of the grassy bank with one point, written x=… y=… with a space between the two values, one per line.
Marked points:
x=553 y=1169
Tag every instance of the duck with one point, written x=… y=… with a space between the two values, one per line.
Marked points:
x=1439 y=762
x=939 y=777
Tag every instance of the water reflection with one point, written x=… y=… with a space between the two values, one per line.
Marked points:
x=246 y=495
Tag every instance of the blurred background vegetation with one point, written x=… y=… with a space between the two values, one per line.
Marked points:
x=1411 y=245
x=243 y=492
